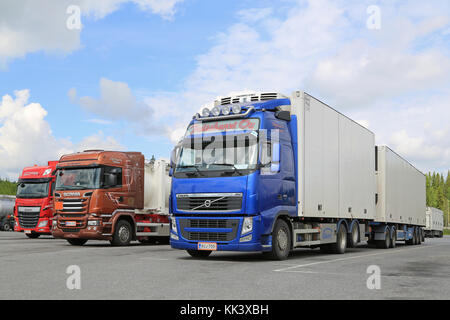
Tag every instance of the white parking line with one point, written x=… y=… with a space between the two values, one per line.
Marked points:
x=355 y=257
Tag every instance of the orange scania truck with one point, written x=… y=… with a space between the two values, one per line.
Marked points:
x=111 y=195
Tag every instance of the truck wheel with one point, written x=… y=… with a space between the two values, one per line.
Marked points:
x=199 y=253
x=414 y=239
x=77 y=242
x=281 y=241
x=419 y=238
x=6 y=227
x=122 y=234
x=393 y=238
x=341 y=240
x=33 y=235
x=353 y=237
x=386 y=243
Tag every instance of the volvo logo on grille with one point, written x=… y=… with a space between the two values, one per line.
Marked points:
x=208 y=203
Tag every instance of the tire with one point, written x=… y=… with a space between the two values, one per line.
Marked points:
x=419 y=237
x=33 y=235
x=393 y=238
x=415 y=242
x=199 y=253
x=122 y=234
x=386 y=243
x=281 y=241
x=6 y=227
x=77 y=242
x=353 y=237
x=341 y=241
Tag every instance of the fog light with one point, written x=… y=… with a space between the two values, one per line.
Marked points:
x=174 y=236
x=43 y=224
x=93 y=223
x=246 y=238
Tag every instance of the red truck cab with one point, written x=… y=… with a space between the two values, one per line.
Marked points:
x=33 y=211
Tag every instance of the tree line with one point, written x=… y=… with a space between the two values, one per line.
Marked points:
x=438 y=192
x=8 y=187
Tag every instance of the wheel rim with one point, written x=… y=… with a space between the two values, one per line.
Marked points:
x=124 y=234
x=343 y=239
x=282 y=239
x=355 y=235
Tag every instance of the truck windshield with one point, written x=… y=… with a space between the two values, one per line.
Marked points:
x=218 y=155
x=32 y=190
x=78 y=179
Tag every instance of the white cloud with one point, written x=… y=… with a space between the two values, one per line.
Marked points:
x=27 y=139
x=29 y=26
x=117 y=102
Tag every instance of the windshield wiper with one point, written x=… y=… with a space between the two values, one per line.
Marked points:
x=229 y=165
x=191 y=166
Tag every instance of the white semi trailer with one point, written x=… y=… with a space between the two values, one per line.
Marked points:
x=434 y=223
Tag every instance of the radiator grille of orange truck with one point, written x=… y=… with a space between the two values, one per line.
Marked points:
x=74 y=205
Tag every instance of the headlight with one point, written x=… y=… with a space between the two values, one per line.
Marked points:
x=205 y=112
x=173 y=223
x=247 y=226
x=236 y=109
x=54 y=223
x=93 y=223
x=43 y=224
x=226 y=110
x=215 y=111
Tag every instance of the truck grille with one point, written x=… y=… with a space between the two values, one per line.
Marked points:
x=28 y=216
x=209 y=236
x=74 y=205
x=187 y=227
x=210 y=202
x=207 y=223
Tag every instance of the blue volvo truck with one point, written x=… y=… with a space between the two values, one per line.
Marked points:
x=269 y=173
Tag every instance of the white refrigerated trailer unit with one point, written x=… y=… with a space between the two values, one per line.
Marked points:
x=400 y=200
x=336 y=181
x=434 y=223
x=347 y=184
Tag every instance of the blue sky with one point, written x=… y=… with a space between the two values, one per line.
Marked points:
x=138 y=69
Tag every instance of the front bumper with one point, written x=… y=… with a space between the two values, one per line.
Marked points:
x=258 y=242
x=41 y=230
x=91 y=233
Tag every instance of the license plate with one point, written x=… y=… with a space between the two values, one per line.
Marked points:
x=27 y=231
x=207 y=246
x=71 y=224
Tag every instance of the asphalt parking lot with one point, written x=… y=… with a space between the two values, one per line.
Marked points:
x=36 y=269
